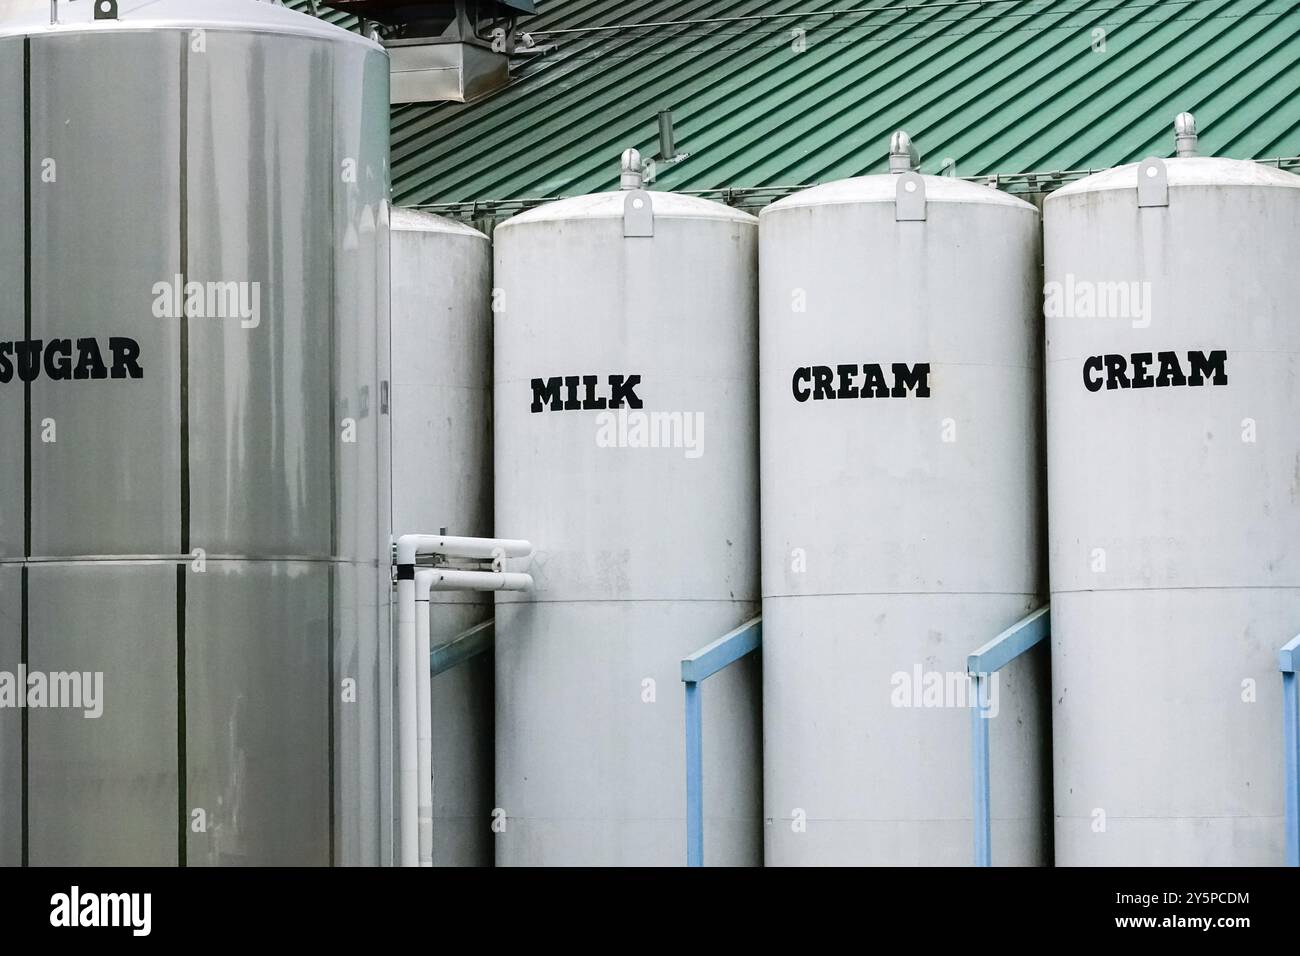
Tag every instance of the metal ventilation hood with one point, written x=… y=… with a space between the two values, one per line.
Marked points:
x=442 y=50
x=413 y=11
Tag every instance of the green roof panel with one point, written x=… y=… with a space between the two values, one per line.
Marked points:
x=777 y=93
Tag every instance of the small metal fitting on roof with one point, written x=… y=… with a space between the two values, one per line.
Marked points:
x=631 y=175
x=667 y=139
x=903 y=157
x=1185 y=135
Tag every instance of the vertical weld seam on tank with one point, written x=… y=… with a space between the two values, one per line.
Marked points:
x=335 y=185
x=23 y=654
x=27 y=404
x=331 y=568
x=182 y=814
x=27 y=292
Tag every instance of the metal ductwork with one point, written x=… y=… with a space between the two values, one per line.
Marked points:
x=450 y=50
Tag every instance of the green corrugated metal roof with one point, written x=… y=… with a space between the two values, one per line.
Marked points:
x=997 y=86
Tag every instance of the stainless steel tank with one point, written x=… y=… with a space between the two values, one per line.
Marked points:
x=1173 y=357
x=625 y=438
x=902 y=516
x=442 y=479
x=193 y=501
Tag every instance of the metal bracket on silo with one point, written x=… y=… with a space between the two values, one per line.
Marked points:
x=638 y=215
x=909 y=202
x=1153 y=183
x=638 y=211
x=105 y=9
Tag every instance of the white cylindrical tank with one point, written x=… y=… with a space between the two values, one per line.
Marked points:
x=901 y=467
x=1173 y=392
x=626 y=434
x=442 y=479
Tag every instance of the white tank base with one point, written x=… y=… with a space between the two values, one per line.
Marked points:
x=866 y=800
x=564 y=761
x=1135 y=723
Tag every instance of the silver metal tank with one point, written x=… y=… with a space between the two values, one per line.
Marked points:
x=193 y=501
x=1173 y=357
x=902 y=516
x=442 y=479
x=625 y=438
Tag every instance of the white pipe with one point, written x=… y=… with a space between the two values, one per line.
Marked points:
x=415 y=771
x=424 y=711
x=450 y=579
x=407 y=716
x=410 y=545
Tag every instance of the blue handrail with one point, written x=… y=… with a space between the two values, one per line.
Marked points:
x=462 y=647
x=981 y=666
x=1288 y=660
x=705 y=663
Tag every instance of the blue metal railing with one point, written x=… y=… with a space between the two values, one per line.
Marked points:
x=702 y=664
x=981 y=666
x=461 y=648
x=1288 y=660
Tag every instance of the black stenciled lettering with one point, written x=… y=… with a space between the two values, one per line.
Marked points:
x=546 y=393
x=823 y=378
x=590 y=401
x=29 y=359
x=1210 y=366
x=62 y=360
x=1116 y=371
x=874 y=385
x=1093 y=383
x=1141 y=376
x=90 y=363
x=915 y=378
x=58 y=360
x=1171 y=373
x=1136 y=370
x=571 y=403
x=820 y=383
x=622 y=390
x=574 y=392
x=847 y=388
x=126 y=358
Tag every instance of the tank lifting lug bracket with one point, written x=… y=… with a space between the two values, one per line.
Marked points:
x=638 y=215
x=105 y=9
x=1153 y=183
x=909 y=202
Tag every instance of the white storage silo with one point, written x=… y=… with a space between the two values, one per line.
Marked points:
x=193 y=249
x=1173 y=358
x=442 y=479
x=902 y=512
x=625 y=441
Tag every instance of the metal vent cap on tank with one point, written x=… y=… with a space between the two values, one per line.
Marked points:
x=612 y=205
x=1187 y=167
x=904 y=160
